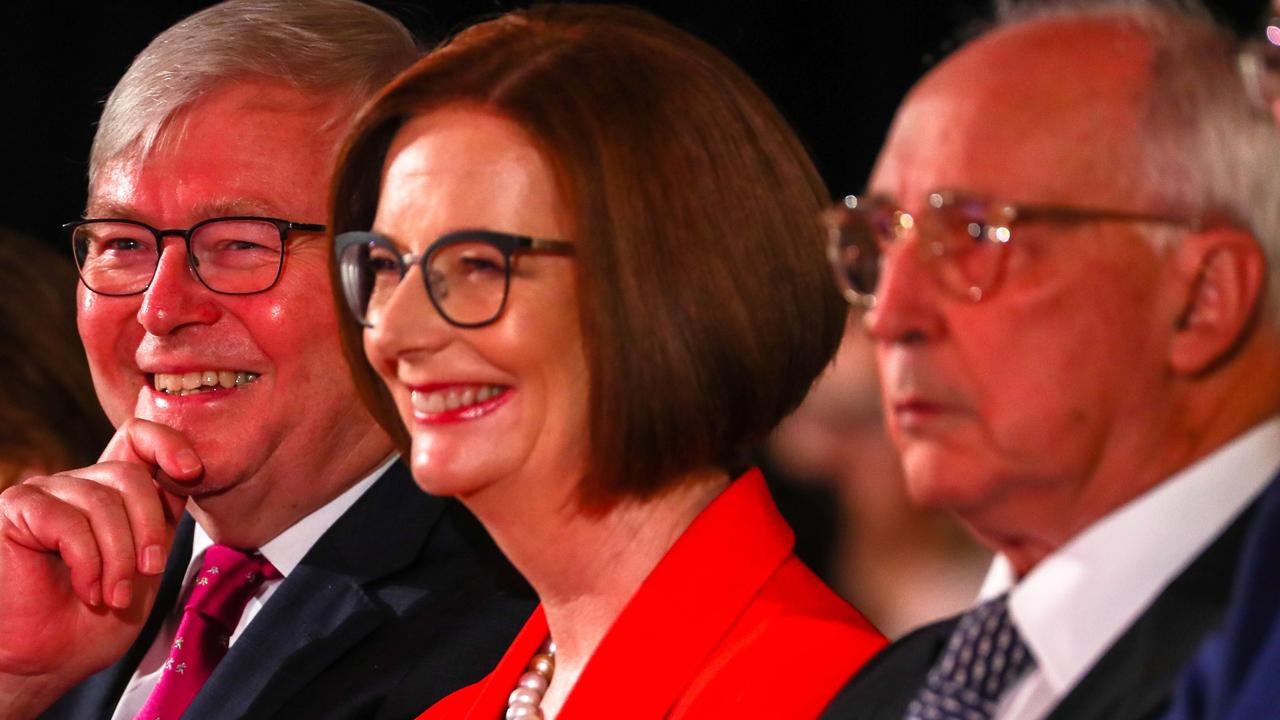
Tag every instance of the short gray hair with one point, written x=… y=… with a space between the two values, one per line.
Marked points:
x=322 y=46
x=1211 y=149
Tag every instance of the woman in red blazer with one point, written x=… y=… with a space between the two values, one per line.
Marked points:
x=584 y=251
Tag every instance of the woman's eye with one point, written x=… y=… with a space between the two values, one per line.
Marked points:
x=383 y=265
x=481 y=264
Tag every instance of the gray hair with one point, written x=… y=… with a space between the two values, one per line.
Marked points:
x=1211 y=149
x=322 y=46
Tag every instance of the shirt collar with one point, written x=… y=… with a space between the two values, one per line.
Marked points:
x=1078 y=601
x=287 y=549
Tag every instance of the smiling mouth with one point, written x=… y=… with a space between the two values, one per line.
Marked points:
x=200 y=381
x=454 y=398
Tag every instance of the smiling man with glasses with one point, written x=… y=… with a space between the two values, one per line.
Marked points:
x=249 y=545
x=1067 y=260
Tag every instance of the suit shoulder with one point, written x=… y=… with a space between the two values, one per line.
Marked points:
x=885 y=685
x=810 y=638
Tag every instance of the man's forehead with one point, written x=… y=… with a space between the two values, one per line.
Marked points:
x=246 y=148
x=103 y=207
x=1047 y=110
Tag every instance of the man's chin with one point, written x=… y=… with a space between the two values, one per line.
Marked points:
x=947 y=476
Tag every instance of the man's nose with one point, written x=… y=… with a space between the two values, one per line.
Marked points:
x=907 y=297
x=176 y=297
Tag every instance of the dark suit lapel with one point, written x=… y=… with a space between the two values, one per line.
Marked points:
x=884 y=687
x=99 y=694
x=327 y=604
x=1135 y=676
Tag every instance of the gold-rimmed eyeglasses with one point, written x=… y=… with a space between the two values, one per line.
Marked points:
x=962 y=237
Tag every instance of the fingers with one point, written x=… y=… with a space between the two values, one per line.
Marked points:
x=107 y=522
x=41 y=523
x=142 y=503
x=160 y=447
x=120 y=506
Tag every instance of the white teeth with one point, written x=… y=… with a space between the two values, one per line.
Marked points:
x=200 y=381
x=433 y=403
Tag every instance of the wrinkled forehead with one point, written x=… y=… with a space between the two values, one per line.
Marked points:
x=1043 y=111
x=249 y=147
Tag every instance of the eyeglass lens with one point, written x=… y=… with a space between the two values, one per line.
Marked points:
x=953 y=239
x=466 y=280
x=228 y=256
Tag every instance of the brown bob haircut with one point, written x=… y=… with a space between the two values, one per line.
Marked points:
x=706 y=304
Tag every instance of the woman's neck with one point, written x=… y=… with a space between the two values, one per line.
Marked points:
x=585 y=566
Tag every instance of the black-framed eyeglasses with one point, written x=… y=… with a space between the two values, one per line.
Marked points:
x=467 y=273
x=238 y=255
x=963 y=238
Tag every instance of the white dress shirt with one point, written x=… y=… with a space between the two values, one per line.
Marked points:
x=1079 y=600
x=284 y=552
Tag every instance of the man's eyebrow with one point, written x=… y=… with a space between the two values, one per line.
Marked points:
x=221 y=207
x=108 y=208
x=225 y=207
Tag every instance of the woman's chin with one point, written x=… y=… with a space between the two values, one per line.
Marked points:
x=444 y=479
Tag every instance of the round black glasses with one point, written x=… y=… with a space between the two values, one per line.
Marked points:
x=467 y=273
x=239 y=255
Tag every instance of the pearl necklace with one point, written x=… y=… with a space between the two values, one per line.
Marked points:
x=526 y=699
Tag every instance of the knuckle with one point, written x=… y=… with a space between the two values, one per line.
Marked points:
x=22 y=493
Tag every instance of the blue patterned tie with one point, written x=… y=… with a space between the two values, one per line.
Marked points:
x=984 y=657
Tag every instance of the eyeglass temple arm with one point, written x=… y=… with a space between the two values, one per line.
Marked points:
x=1059 y=212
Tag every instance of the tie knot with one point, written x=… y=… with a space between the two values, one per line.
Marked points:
x=227 y=579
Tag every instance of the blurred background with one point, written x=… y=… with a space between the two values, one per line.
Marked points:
x=837 y=69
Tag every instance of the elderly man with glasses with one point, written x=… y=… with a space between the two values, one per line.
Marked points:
x=1067 y=259
x=248 y=546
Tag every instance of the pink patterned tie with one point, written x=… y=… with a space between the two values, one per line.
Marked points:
x=227 y=579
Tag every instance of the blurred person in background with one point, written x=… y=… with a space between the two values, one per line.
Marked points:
x=50 y=419
x=901 y=565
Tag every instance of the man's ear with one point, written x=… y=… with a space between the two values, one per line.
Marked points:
x=1224 y=277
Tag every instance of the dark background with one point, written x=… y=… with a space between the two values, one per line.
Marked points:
x=836 y=68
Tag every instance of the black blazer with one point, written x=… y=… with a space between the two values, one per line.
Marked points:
x=402 y=601
x=1132 y=680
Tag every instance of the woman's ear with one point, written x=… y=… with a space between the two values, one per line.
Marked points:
x=1224 y=276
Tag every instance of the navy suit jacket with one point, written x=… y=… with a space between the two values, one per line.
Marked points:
x=1236 y=674
x=1131 y=681
x=402 y=601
